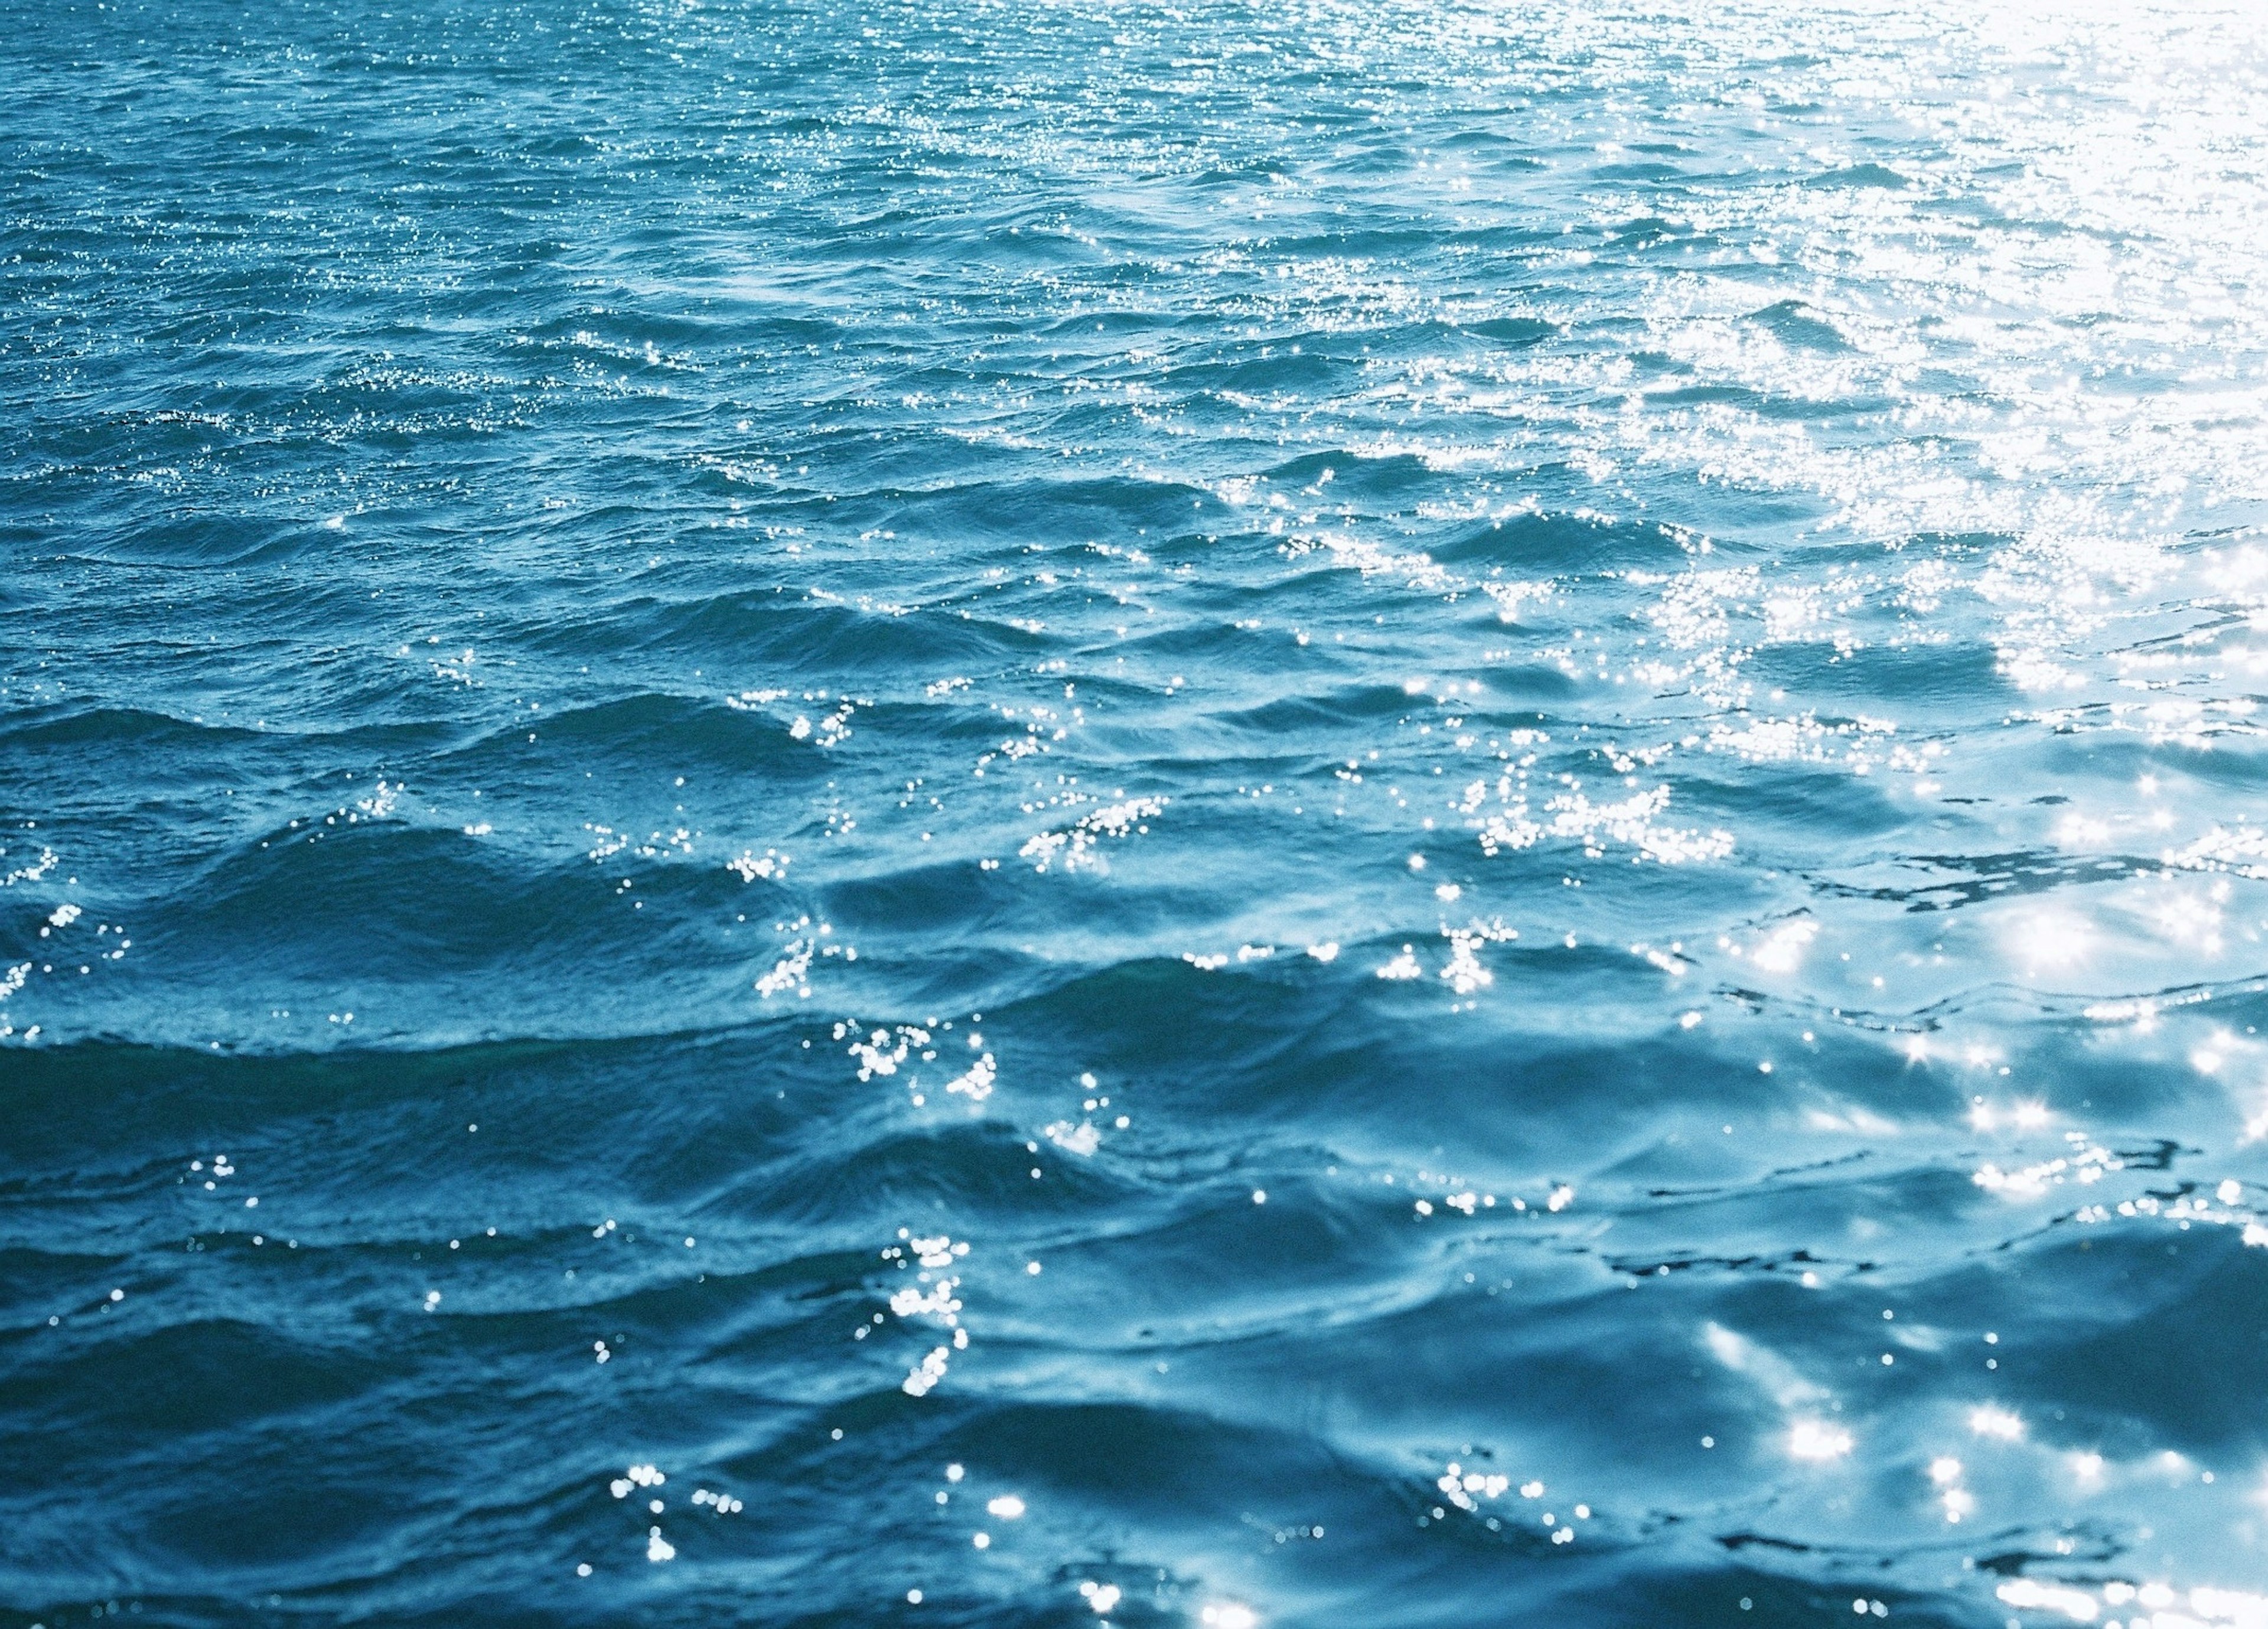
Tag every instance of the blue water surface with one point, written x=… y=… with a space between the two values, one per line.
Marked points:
x=1030 y=812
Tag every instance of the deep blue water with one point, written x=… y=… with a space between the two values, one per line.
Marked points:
x=1011 y=814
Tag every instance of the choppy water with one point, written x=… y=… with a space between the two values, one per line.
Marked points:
x=1443 y=812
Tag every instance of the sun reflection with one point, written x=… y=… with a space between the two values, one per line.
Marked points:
x=2050 y=941
x=1945 y=1476
x=2075 y=1604
x=1817 y=1442
x=2029 y=1114
x=2156 y=1600
x=1781 y=950
x=1990 y=1420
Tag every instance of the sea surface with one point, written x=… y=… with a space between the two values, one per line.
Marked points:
x=1002 y=813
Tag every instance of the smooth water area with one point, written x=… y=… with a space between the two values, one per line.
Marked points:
x=1045 y=813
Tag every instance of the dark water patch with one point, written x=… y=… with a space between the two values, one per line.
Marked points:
x=1548 y=544
x=1861 y=176
x=1799 y=324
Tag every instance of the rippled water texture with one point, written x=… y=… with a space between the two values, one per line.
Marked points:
x=1016 y=813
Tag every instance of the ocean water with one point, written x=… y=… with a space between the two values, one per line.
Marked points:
x=1014 y=814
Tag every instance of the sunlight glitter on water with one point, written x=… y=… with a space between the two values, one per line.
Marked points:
x=1531 y=729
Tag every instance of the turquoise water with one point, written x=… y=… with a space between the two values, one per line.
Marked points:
x=1039 y=815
